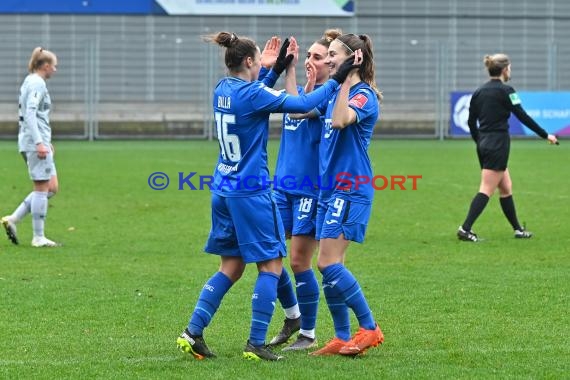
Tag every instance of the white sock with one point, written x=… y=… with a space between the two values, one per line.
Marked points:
x=22 y=210
x=308 y=333
x=25 y=208
x=38 y=207
x=293 y=312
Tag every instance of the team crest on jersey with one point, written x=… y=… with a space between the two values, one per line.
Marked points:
x=359 y=100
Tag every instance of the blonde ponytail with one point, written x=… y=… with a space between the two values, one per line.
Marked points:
x=38 y=58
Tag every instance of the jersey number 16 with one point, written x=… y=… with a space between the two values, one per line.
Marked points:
x=229 y=143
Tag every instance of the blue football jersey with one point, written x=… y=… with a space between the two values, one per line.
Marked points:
x=241 y=114
x=297 y=168
x=344 y=160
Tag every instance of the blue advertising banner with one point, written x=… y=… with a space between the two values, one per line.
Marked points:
x=551 y=110
x=134 y=7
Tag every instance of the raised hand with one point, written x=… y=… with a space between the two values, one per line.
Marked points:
x=311 y=74
x=270 y=52
x=293 y=50
x=283 y=59
x=42 y=151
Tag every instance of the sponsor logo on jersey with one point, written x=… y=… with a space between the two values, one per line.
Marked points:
x=328 y=128
x=227 y=169
x=292 y=124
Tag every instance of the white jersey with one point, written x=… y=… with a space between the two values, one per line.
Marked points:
x=34 y=106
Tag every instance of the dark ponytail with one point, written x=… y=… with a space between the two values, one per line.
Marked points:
x=237 y=49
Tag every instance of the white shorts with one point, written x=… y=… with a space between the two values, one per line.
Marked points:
x=40 y=170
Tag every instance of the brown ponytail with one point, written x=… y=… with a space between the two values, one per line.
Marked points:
x=237 y=48
x=366 y=70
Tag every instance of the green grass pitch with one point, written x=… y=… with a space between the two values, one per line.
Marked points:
x=111 y=302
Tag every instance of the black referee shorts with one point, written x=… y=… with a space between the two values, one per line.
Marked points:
x=493 y=150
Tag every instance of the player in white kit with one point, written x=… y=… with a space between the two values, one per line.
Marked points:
x=34 y=143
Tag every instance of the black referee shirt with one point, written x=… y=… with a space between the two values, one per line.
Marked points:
x=492 y=105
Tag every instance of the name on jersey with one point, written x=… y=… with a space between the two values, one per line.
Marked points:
x=224 y=102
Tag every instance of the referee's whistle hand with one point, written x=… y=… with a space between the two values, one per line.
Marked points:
x=553 y=140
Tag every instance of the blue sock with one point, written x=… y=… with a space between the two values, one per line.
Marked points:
x=308 y=295
x=337 y=307
x=348 y=287
x=285 y=292
x=262 y=306
x=208 y=302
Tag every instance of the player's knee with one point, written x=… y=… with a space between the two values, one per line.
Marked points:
x=487 y=190
x=322 y=264
x=53 y=188
x=233 y=269
x=505 y=194
x=298 y=265
x=506 y=188
x=301 y=259
x=233 y=275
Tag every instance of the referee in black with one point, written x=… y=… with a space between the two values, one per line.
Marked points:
x=491 y=105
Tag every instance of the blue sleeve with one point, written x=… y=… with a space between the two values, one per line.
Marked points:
x=268 y=77
x=264 y=98
x=322 y=107
x=364 y=104
x=306 y=102
x=262 y=73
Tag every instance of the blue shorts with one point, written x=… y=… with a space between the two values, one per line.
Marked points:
x=341 y=216
x=246 y=227
x=321 y=212
x=297 y=212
